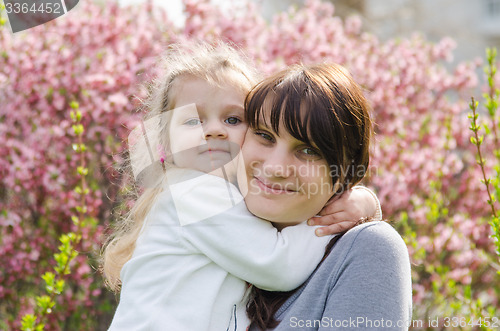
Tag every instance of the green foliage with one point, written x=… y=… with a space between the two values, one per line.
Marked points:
x=492 y=184
x=491 y=104
x=54 y=281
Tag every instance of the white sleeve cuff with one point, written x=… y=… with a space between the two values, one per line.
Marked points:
x=378 y=212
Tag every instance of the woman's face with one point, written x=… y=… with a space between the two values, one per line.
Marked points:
x=285 y=181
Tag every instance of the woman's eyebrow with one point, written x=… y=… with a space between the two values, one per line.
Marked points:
x=234 y=107
x=263 y=125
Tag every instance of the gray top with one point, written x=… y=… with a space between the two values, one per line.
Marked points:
x=364 y=283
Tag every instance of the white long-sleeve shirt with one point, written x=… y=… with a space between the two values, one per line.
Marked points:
x=198 y=248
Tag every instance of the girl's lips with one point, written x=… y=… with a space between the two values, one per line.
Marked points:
x=270 y=188
x=211 y=151
x=205 y=148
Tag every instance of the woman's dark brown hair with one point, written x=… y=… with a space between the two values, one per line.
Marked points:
x=320 y=105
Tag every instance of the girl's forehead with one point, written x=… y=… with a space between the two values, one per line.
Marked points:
x=201 y=91
x=222 y=78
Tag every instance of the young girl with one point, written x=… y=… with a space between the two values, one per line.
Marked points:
x=189 y=246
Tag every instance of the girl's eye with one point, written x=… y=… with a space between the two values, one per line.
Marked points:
x=192 y=122
x=232 y=120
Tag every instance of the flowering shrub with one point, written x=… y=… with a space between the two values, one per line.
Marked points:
x=95 y=57
x=423 y=165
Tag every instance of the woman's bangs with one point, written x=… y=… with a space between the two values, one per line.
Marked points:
x=279 y=105
x=295 y=115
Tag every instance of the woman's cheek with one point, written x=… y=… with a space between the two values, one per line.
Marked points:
x=249 y=149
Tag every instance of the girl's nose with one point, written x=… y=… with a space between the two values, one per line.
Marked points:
x=214 y=129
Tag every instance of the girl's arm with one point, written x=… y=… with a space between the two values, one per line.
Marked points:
x=215 y=221
x=348 y=210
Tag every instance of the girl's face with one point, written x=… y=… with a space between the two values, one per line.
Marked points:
x=286 y=181
x=208 y=130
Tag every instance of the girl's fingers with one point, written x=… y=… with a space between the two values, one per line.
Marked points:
x=333 y=208
x=328 y=219
x=336 y=204
x=334 y=228
x=333 y=199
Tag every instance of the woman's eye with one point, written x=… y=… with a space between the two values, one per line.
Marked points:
x=232 y=120
x=264 y=135
x=310 y=152
x=192 y=122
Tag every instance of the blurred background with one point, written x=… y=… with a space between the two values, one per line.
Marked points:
x=474 y=25
x=71 y=91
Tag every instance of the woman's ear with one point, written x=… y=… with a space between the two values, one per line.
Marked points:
x=338 y=191
x=338 y=188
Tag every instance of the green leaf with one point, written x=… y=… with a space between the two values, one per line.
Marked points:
x=74 y=105
x=45 y=303
x=82 y=171
x=59 y=286
x=487 y=129
x=81 y=209
x=28 y=322
x=49 y=278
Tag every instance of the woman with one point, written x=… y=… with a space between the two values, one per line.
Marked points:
x=309 y=132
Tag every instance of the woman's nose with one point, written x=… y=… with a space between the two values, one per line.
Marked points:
x=214 y=129
x=278 y=163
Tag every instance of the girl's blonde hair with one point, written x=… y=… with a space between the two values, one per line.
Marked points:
x=218 y=64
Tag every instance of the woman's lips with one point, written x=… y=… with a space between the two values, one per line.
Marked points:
x=272 y=188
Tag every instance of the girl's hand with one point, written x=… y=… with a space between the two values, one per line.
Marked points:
x=344 y=212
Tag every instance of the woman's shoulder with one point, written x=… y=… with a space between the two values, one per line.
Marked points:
x=371 y=240
x=377 y=230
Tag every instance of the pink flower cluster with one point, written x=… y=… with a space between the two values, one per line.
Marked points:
x=99 y=54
